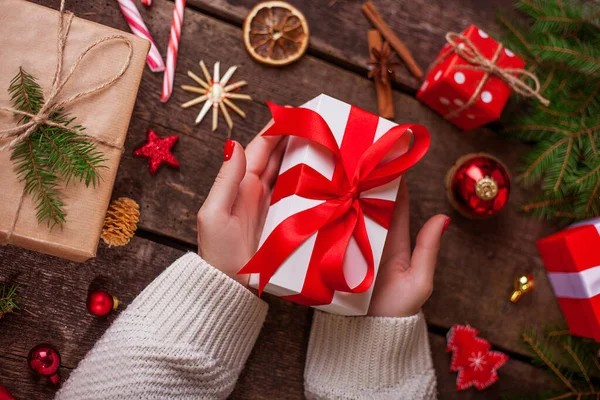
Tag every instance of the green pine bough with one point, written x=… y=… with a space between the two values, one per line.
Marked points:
x=572 y=360
x=562 y=47
x=8 y=299
x=48 y=159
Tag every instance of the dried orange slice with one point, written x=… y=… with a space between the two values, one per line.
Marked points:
x=275 y=33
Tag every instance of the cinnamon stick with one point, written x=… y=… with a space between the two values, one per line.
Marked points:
x=385 y=103
x=378 y=22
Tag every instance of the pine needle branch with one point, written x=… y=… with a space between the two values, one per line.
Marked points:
x=580 y=366
x=51 y=156
x=8 y=299
x=537 y=349
x=561 y=46
x=572 y=360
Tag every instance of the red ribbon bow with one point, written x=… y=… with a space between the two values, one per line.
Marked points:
x=358 y=167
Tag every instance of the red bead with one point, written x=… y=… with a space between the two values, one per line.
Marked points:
x=478 y=185
x=44 y=360
x=100 y=303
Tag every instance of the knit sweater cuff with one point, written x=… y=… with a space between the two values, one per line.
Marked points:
x=194 y=303
x=369 y=354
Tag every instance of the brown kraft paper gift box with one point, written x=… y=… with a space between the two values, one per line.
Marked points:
x=28 y=39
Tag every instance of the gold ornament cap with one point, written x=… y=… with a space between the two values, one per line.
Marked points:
x=486 y=188
x=523 y=284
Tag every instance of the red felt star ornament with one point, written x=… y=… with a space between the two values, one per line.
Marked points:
x=158 y=151
x=472 y=358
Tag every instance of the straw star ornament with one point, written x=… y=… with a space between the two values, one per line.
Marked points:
x=215 y=93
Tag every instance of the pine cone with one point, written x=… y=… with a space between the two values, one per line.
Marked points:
x=120 y=222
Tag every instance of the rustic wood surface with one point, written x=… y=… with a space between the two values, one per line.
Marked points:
x=54 y=298
x=478 y=259
x=338 y=26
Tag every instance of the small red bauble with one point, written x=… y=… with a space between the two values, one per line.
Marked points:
x=100 y=303
x=478 y=185
x=5 y=394
x=44 y=360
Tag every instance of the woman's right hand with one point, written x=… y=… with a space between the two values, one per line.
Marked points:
x=231 y=219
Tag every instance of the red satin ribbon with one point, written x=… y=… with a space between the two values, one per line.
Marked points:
x=358 y=167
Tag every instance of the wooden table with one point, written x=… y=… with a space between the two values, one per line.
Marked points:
x=478 y=259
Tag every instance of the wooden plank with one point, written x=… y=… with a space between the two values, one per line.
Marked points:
x=338 y=30
x=479 y=259
x=275 y=368
x=263 y=381
x=268 y=367
x=55 y=291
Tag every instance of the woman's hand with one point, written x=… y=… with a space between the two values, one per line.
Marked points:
x=231 y=219
x=405 y=282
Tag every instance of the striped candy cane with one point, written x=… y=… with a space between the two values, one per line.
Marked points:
x=147 y=2
x=167 y=88
x=134 y=19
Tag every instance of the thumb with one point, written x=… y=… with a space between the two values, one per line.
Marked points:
x=225 y=189
x=425 y=255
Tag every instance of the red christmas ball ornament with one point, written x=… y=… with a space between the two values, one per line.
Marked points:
x=100 y=303
x=44 y=360
x=5 y=394
x=478 y=185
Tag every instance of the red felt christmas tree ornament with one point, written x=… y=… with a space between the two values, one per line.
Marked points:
x=44 y=360
x=472 y=358
x=478 y=185
x=100 y=303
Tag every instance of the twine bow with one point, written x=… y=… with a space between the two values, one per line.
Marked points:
x=51 y=105
x=514 y=77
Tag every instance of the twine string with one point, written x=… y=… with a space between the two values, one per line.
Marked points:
x=51 y=105
x=514 y=77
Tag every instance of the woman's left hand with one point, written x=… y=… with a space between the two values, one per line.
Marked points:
x=405 y=281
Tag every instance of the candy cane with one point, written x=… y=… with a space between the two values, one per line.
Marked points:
x=167 y=88
x=134 y=19
x=147 y=2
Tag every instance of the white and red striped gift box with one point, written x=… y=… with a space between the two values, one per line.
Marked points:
x=290 y=277
x=572 y=259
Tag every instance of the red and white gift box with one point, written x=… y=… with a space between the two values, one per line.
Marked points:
x=332 y=265
x=572 y=259
x=452 y=81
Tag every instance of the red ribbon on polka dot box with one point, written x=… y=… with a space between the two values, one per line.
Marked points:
x=452 y=81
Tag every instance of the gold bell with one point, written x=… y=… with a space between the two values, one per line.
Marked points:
x=523 y=284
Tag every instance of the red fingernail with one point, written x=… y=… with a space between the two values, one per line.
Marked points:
x=228 y=149
x=446 y=225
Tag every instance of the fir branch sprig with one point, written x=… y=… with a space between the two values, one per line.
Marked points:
x=572 y=360
x=48 y=159
x=562 y=47
x=8 y=300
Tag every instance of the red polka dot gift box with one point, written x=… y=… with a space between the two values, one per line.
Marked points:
x=470 y=81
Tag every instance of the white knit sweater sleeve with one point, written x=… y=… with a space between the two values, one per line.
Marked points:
x=186 y=336
x=369 y=358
